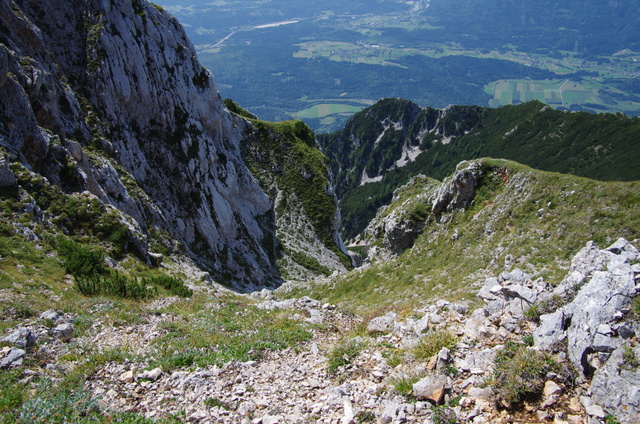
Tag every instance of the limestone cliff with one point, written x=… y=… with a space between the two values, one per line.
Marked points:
x=108 y=96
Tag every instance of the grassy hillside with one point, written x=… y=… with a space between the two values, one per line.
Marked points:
x=520 y=217
x=603 y=147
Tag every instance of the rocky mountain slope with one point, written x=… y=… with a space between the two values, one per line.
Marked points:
x=488 y=216
x=500 y=294
x=530 y=353
x=477 y=320
x=385 y=145
x=108 y=102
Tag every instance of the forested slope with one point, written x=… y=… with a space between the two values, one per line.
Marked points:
x=378 y=144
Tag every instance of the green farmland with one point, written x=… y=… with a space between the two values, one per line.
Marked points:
x=328 y=114
x=326 y=109
x=556 y=93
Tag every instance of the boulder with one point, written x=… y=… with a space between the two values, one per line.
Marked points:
x=13 y=358
x=63 y=332
x=422 y=324
x=430 y=388
x=152 y=375
x=51 y=315
x=22 y=338
x=383 y=324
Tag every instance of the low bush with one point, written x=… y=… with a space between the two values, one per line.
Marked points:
x=80 y=261
x=432 y=342
x=173 y=285
x=115 y=285
x=344 y=354
x=519 y=371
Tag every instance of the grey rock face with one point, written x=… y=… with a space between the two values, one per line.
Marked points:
x=7 y=177
x=152 y=110
x=617 y=386
x=459 y=190
x=600 y=288
x=605 y=294
x=22 y=338
x=399 y=228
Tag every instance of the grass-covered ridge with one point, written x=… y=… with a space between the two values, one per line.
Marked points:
x=521 y=217
x=602 y=147
x=295 y=174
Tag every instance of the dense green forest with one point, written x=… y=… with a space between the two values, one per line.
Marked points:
x=602 y=146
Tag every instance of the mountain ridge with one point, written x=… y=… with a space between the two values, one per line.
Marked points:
x=395 y=139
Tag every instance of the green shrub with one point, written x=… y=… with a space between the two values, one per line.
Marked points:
x=432 y=342
x=519 y=371
x=420 y=212
x=78 y=260
x=115 y=285
x=344 y=353
x=88 y=285
x=129 y=288
x=174 y=285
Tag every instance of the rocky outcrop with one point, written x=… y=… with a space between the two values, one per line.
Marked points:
x=397 y=225
x=418 y=203
x=109 y=97
x=598 y=325
x=458 y=191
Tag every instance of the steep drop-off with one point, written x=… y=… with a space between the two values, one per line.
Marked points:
x=108 y=97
